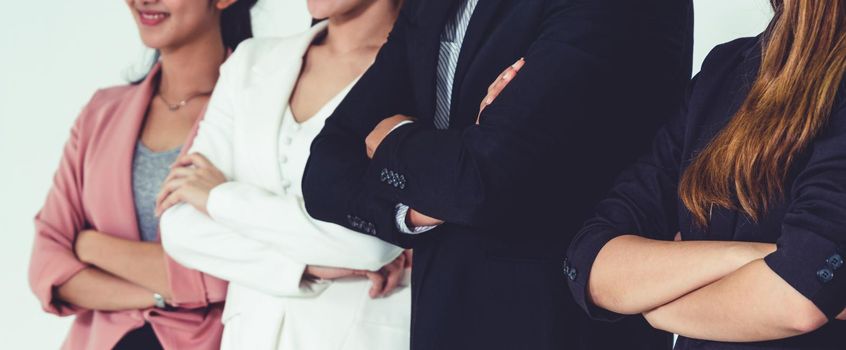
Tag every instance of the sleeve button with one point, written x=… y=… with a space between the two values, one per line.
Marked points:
x=825 y=275
x=835 y=261
x=572 y=274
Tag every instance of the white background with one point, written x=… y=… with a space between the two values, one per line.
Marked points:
x=56 y=53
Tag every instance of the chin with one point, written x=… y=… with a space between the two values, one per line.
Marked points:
x=320 y=9
x=155 y=42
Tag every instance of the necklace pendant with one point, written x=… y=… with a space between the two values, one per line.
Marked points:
x=176 y=107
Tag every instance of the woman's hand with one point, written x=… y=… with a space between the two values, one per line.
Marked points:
x=383 y=282
x=499 y=84
x=314 y=273
x=190 y=181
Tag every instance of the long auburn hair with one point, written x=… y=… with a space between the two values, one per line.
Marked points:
x=802 y=65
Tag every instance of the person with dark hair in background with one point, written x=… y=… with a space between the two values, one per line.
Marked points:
x=97 y=254
x=485 y=198
x=731 y=232
x=233 y=207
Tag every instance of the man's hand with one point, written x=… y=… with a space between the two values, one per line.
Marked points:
x=387 y=278
x=381 y=131
x=499 y=84
x=191 y=180
x=415 y=219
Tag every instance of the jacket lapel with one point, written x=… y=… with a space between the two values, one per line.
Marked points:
x=265 y=100
x=131 y=113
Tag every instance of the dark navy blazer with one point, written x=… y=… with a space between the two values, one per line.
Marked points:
x=809 y=224
x=600 y=77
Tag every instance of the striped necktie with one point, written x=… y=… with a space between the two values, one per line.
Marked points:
x=451 y=40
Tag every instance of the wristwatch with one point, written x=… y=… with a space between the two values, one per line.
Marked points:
x=160 y=301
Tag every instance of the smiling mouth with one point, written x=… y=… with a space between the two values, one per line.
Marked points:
x=152 y=18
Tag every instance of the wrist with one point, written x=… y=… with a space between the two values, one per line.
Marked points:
x=743 y=253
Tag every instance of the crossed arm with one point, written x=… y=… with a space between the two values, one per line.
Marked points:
x=712 y=290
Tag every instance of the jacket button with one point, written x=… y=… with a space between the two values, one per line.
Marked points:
x=835 y=261
x=825 y=275
x=572 y=274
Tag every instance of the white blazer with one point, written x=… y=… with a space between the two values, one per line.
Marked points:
x=258 y=235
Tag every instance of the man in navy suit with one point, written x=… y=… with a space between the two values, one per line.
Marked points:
x=490 y=208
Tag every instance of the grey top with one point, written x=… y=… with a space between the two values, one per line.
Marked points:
x=149 y=169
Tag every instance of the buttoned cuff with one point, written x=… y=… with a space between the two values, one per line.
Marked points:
x=401 y=215
x=813 y=265
x=578 y=264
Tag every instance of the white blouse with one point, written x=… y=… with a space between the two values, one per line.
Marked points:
x=295 y=140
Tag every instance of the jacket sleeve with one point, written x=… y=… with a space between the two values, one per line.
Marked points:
x=53 y=261
x=333 y=186
x=642 y=201
x=282 y=222
x=196 y=241
x=813 y=233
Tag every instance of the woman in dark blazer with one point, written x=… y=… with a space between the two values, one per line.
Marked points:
x=750 y=180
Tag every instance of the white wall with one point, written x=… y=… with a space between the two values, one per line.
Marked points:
x=56 y=53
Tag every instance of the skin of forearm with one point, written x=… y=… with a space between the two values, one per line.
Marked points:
x=142 y=263
x=632 y=274
x=751 y=304
x=94 y=289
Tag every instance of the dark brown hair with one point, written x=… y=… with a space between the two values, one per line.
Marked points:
x=790 y=101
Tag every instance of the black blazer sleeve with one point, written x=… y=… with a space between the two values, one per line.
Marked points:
x=332 y=182
x=469 y=177
x=643 y=201
x=813 y=233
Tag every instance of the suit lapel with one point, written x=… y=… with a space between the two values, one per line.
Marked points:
x=477 y=33
x=265 y=100
x=132 y=111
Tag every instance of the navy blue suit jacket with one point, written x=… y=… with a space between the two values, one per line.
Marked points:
x=600 y=77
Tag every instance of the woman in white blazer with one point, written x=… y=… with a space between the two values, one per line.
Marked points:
x=233 y=208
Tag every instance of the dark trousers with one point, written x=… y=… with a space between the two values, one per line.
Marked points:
x=140 y=339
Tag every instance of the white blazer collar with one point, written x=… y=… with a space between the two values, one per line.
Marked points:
x=288 y=54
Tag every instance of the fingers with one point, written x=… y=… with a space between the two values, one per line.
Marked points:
x=395 y=272
x=195 y=159
x=409 y=258
x=499 y=85
x=377 y=281
x=168 y=202
x=177 y=173
x=496 y=88
x=167 y=193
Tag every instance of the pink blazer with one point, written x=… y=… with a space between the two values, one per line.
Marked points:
x=93 y=189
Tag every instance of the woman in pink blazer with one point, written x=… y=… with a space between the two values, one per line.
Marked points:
x=96 y=253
